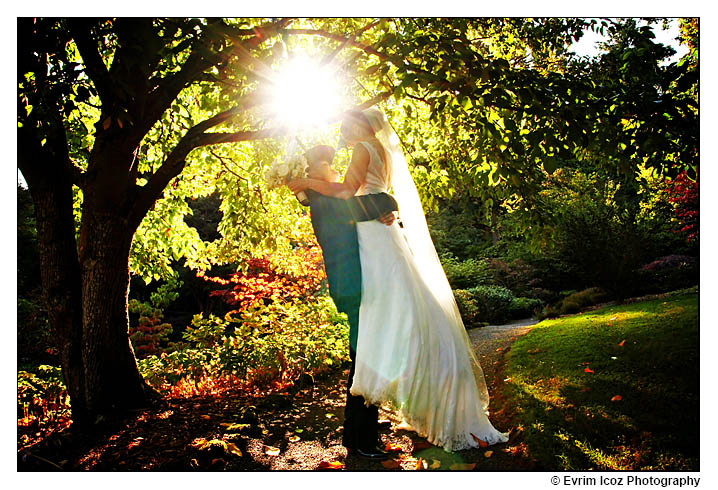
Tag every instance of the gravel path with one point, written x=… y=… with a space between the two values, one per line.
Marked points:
x=486 y=340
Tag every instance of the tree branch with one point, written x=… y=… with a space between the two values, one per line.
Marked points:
x=256 y=189
x=328 y=58
x=197 y=137
x=337 y=37
x=367 y=49
x=168 y=88
x=374 y=100
x=87 y=46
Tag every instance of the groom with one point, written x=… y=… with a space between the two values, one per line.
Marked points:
x=334 y=222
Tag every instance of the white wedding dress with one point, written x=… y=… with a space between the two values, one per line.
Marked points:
x=412 y=350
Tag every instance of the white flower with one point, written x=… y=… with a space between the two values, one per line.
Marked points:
x=283 y=170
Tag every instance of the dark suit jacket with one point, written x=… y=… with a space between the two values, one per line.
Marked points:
x=334 y=222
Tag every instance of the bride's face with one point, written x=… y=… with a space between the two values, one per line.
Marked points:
x=354 y=131
x=349 y=133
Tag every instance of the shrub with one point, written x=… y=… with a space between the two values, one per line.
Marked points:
x=149 y=332
x=683 y=194
x=669 y=273
x=546 y=296
x=575 y=302
x=463 y=274
x=261 y=282
x=266 y=345
x=524 y=307
x=42 y=403
x=549 y=311
x=484 y=304
x=493 y=302
x=516 y=275
x=467 y=307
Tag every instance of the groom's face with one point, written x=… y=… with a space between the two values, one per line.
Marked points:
x=322 y=170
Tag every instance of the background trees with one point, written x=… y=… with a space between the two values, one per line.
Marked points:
x=128 y=127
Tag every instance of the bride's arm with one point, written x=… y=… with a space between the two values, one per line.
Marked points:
x=355 y=177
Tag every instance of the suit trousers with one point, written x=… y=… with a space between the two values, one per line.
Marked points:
x=361 y=429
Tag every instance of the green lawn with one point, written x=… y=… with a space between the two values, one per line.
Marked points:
x=566 y=416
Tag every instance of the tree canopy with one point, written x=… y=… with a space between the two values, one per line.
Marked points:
x=487 y=105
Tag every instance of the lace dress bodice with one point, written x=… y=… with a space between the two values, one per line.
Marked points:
x=377 y=174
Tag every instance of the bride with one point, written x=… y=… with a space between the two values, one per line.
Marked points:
x=412 y=349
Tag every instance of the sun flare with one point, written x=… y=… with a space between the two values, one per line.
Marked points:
x=305 y=94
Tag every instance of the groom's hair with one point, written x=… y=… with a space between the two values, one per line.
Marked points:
x=319 y=153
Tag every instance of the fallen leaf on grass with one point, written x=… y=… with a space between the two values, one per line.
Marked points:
x=232 y=448
x=462 y=466
x=271 y=451
x=617 y=398
x=622 y=342
x=488 y=454
x=331 y=465
x=393 y=447
x=481 y=442
x=390 y=464
x=294 y=438
x=588 y=370
x=435 y=464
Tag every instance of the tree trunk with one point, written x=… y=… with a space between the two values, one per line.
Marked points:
x=60 y=275
x=112 y=379
x=50 y=185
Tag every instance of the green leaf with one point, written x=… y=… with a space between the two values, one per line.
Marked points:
x=372 y=69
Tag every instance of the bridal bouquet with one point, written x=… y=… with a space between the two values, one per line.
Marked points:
x=280 y=173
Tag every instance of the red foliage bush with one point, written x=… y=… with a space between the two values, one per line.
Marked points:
x=683 y=194
x=262 y=282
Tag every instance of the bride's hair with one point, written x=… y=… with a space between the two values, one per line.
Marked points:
x=359 y=118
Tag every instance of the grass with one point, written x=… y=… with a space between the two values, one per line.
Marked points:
x=639 y=407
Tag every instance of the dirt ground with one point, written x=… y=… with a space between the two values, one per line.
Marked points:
x=299 y=430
